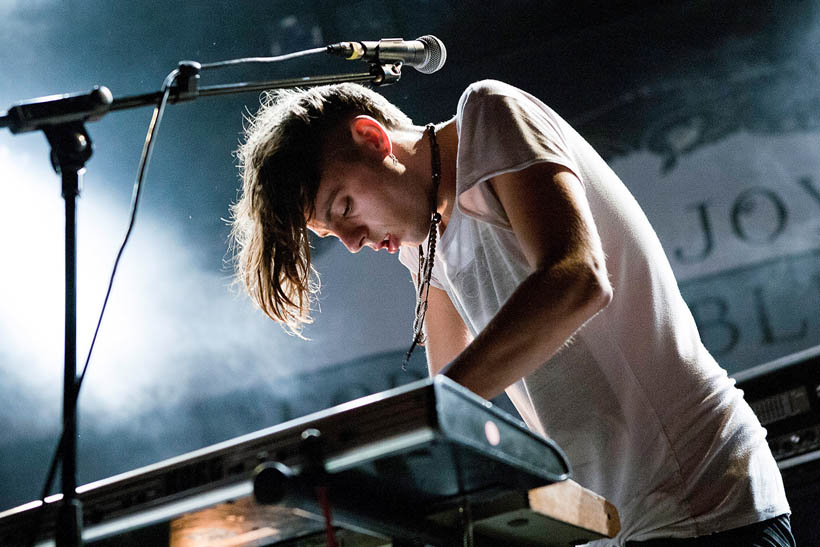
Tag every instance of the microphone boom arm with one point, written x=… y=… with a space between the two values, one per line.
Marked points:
x=58 y=109
x=378 y=75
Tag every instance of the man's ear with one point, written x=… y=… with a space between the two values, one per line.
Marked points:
x=371 y=135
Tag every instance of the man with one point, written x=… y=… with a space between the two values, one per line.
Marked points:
x=547 y=282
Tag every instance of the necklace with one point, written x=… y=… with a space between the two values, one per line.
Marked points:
x=426 y=259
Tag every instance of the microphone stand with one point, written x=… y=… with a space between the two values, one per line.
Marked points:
x=62 y=118
x=70 y=149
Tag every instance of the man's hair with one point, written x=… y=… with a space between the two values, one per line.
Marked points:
x=292 y=136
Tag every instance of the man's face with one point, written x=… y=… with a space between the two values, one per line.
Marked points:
x=368 y=203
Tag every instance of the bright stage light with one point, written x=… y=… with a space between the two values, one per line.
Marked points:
x=32 y=280
x=172 y=329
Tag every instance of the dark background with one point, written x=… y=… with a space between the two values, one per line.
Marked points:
x=709 y=110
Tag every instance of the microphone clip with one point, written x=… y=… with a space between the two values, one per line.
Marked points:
x=386 y=74
x=186 y=84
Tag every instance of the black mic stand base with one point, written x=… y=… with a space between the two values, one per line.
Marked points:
x=69 y=523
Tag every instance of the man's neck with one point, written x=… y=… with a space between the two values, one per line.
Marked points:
x=414 y=153
x=447 y=138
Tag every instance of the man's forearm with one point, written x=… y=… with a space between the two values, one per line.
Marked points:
x=534 y=323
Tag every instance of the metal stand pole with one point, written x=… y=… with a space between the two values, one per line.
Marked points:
x=70 y=149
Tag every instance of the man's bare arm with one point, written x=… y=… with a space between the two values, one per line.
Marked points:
x=447 y=336
x=568 y=284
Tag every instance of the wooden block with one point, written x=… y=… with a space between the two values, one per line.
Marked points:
x=570 y=502
x=558 y=515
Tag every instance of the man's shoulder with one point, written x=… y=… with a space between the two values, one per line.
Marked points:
x=487 y=88
x=493 y=99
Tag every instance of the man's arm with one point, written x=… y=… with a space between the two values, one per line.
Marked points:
x=446 y=333
x=568 y=284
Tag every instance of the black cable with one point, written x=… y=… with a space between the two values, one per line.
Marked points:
x=245 y=60
x=145 y=159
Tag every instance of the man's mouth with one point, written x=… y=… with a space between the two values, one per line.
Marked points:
x=389 y=243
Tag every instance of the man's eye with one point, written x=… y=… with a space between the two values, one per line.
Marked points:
x=347 y=207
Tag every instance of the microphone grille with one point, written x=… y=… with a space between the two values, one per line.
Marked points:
x=435 y=54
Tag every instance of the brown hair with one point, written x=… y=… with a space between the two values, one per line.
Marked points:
x=280 y=164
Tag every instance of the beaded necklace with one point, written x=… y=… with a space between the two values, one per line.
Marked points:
x=426 y=259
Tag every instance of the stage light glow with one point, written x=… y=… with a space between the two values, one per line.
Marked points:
x=32 y=292
x=32 y=287
x=172 y=330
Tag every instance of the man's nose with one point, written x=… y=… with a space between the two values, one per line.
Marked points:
x=353 y=238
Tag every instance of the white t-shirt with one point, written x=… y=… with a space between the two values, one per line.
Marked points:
x=645 y=415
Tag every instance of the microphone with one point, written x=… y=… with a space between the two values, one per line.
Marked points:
x=426 y=54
